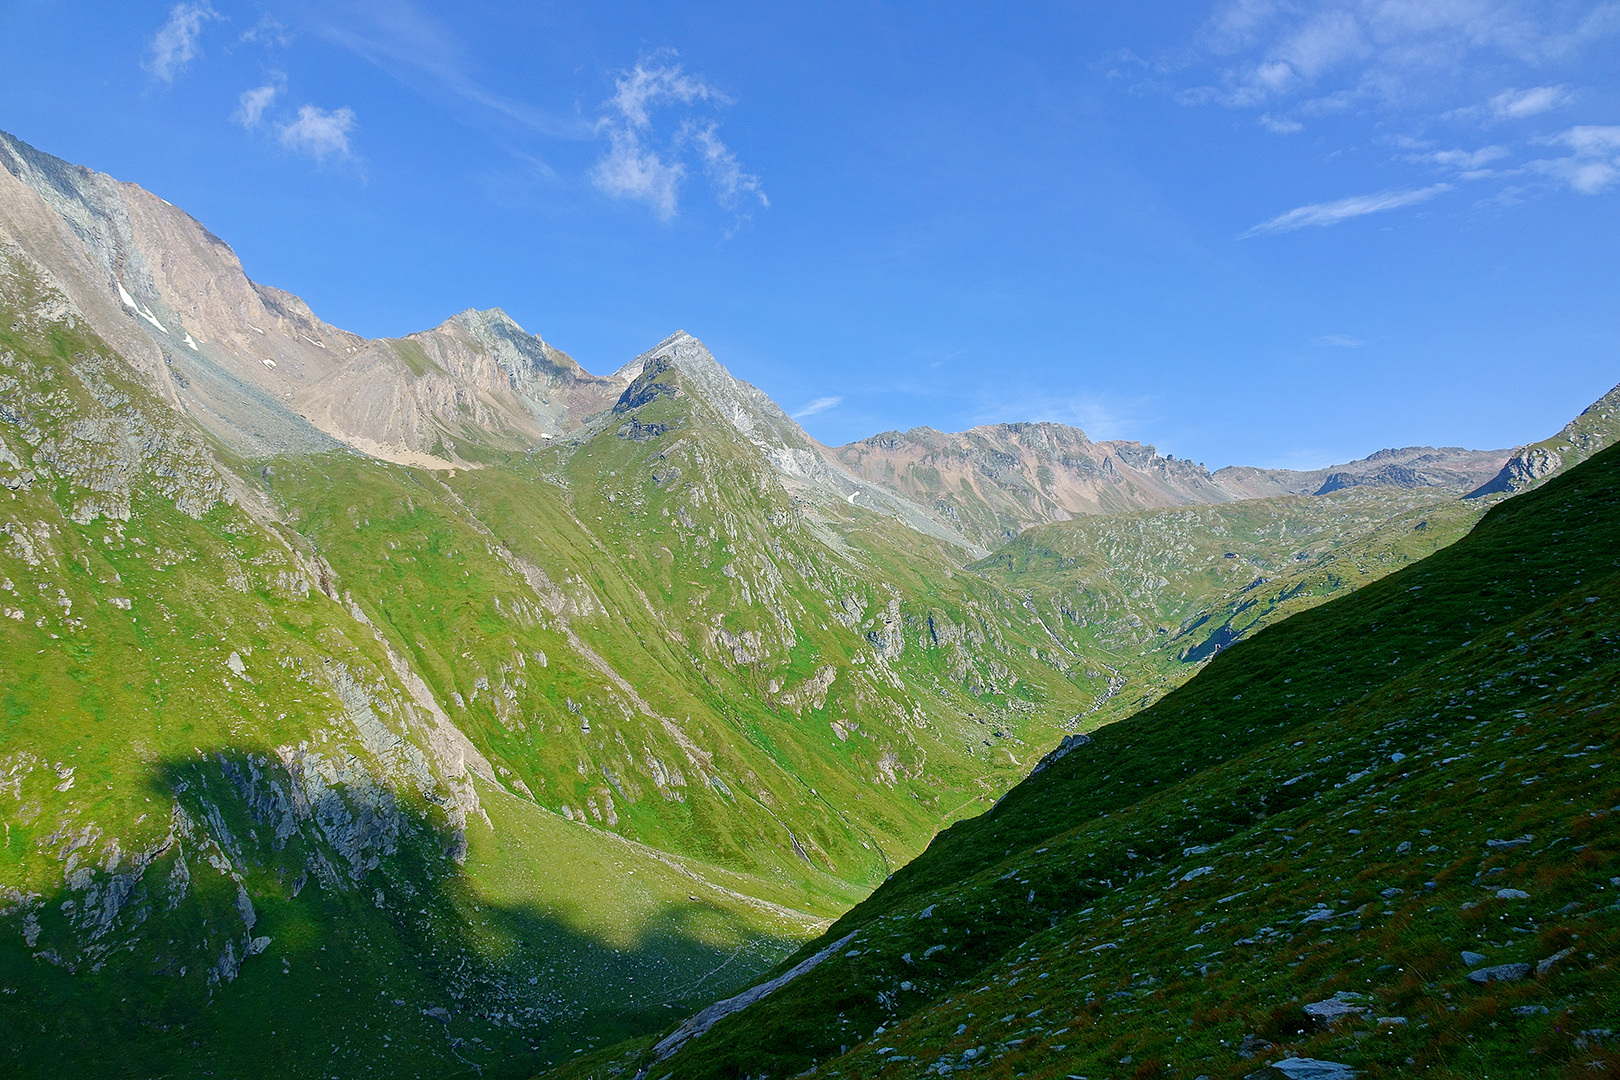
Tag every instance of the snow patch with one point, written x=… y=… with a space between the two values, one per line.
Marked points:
x=129 y=302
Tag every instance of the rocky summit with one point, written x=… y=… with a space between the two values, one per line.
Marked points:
x=429 y=705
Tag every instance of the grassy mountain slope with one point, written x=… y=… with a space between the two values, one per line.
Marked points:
x=1343 y=804
x=1160 y=592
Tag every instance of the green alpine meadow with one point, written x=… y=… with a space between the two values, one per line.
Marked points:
x=430 y=706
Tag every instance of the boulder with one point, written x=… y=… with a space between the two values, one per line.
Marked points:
x=1340 y=1006
x=1499 y=973
x=1552 y=961
x=1313 y=1069
x=1253 y=1046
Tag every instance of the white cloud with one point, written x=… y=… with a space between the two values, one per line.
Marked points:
x=638 y=90
x=731 y=183
x=1324 y=214
x=1398 y=53
x=1337 y=341
x=820 y=405
x=640 y=165
x=319 y=133
x=1594 y=166
x=267 y=31
x=1586 y=177
x=1516 y=104
x=252 y=103
x=630 y=170
x=1280 y=125
x=176 y=44
x=1464 y=159
x=1591 y=139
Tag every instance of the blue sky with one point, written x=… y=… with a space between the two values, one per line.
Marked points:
x=1248 y=231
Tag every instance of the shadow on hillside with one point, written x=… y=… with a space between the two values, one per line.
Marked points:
x=324 y=929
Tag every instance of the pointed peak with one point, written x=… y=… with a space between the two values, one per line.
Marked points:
x=486 y=319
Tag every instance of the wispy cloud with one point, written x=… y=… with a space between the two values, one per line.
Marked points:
x=1591 y=139
x=1099 y=416
x=267 y=31
x=1464 y=160
x=319 y=133
x=1337 y=341
x=527 y=182
x=639 y=165
x=630 y=170
x=638 y=91
x=819 y=405
x=1516 y=104
x=1294 y=57
x=725 y=172
x=1280 y=125
x=251 y=104
x=408 y=43
x=1331 y=213
x=1594 y=165
x=177 y=43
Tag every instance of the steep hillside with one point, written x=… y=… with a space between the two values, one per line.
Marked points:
x=1378 y=837
x=215 y=771
x=1597 y=427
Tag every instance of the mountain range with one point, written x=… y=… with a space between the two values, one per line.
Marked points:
x=429 y=703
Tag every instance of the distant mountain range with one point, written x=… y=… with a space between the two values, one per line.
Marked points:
x=995 y=481
x=430 y=702
x=262 y=373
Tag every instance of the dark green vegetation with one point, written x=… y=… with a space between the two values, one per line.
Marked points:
x=1341 y=805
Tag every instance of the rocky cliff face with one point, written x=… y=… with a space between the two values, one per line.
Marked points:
x=172 y=299
x=252 y=364
x=1597 y=427
x=478 y=379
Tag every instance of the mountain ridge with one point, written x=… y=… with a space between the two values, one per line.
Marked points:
x=165 y=291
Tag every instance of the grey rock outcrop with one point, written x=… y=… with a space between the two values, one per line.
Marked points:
x=1313 y=1069
x=1597 y=427
x=1499 y=973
